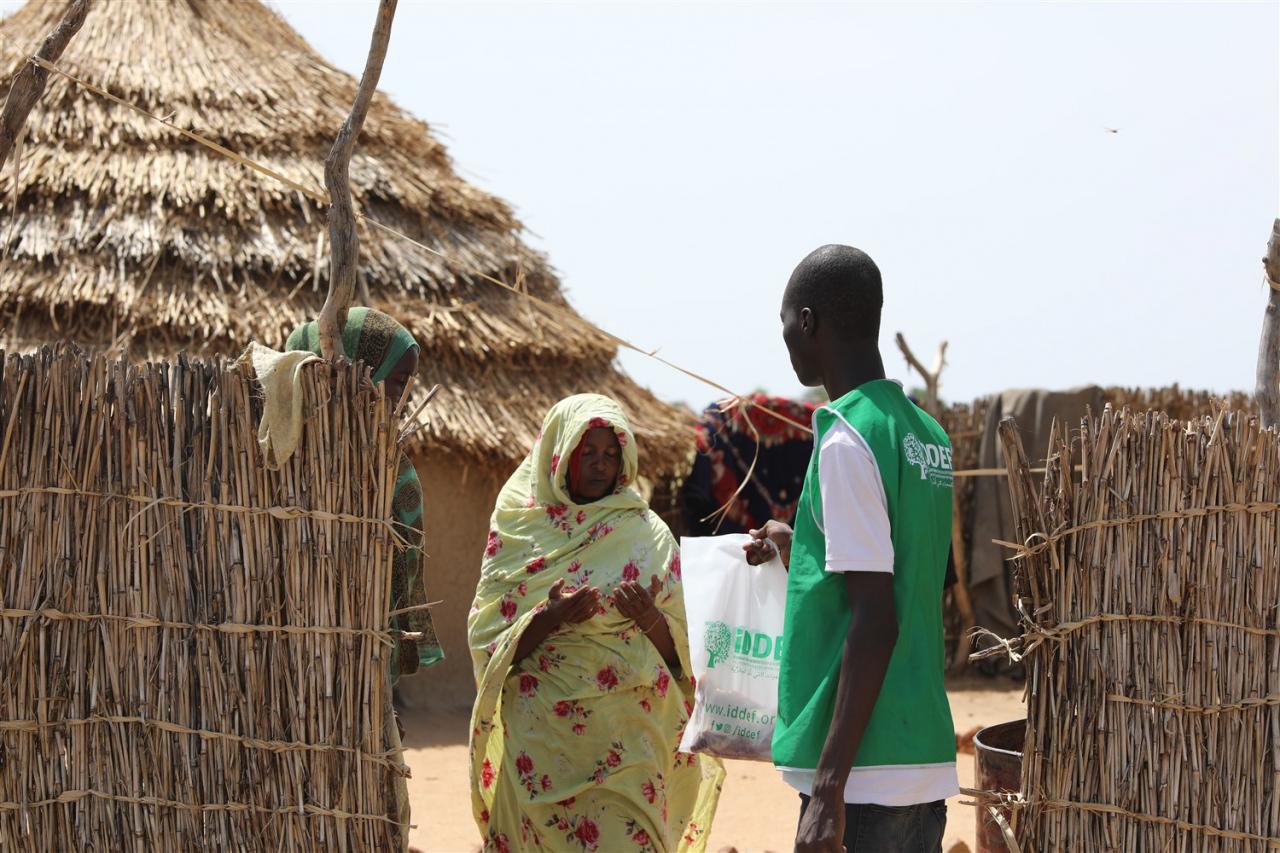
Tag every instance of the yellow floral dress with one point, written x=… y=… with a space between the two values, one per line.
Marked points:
x=576 y=747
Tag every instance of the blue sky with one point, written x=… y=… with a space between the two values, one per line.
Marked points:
x=676 y=161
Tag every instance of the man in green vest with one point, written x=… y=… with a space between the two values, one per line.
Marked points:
x=864 y=730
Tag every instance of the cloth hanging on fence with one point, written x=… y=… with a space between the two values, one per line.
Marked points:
x=726 y=447
x=990 y=515
x=279 y=374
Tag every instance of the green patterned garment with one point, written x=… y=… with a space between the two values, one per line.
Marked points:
x=379 y=341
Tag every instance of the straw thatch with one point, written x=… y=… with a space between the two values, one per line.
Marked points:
x=129 y=236
x=1149 y=597
x=192 y=653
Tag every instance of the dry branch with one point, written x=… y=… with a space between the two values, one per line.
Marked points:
x=1268 y=378
x=28 y=84
x=343 y=241
x=931 y=377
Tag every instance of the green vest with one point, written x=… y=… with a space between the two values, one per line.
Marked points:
x=911 y=723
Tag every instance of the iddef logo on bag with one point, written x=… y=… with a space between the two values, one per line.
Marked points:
x=741 y=644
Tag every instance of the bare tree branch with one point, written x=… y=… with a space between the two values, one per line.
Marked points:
x=931 y=377
x=940 y=361
x=344 y=245
x=1268 y=377
x=28 y=84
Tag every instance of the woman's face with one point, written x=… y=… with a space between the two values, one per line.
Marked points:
x=400 y=375
x=598 y=466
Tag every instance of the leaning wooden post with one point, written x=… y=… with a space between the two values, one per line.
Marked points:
x=1268 y=379
x=28 y=84
x=959 y=555
x=344 y=246
x=931 y=377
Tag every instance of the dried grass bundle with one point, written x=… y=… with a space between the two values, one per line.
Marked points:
x=192 y=653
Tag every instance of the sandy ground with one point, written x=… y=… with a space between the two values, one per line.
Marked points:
x=757 y=811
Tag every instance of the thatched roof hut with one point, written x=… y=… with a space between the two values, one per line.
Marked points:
x=128 y=236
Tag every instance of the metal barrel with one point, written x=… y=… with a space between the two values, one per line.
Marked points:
x=997 y=758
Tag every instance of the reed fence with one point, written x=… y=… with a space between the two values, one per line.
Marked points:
x=193 y=653
x=964 y=423
x=1149 y=588
x=1177 y=402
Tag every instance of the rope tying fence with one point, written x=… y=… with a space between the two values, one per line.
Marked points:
x=56 y=615
x=1016 y=802
x=1048 y=540
x=277 y=746
x=310 y=809
x=1016 y=648
x=282 y=513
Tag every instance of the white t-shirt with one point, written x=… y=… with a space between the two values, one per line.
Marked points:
x=859 y=538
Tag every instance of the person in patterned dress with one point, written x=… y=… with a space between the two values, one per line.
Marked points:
x=579 y=643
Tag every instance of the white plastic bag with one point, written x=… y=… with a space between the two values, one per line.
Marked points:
x=735 y=614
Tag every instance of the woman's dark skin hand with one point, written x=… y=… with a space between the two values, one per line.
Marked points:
x=560 y=609
x=578 y=606
x=637 y=604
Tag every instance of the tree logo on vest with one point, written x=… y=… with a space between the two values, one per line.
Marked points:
x=933 y=460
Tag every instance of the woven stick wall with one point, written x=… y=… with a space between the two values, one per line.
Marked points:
x=1149 y=590
x=964 y=423
x=191 y=653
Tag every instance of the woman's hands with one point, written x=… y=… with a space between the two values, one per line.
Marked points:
x=560 y=609
x=637 y=603
x=578 y=606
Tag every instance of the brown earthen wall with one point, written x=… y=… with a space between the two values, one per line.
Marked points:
x=458 y=500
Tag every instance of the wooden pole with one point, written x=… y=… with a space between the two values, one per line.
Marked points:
x=931 y=377
x=28 y=84
x=344 y=246
x=964 y=604
x=959 y=553
x=1268 y=378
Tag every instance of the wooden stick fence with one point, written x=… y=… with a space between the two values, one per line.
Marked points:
x=1150 y=593
x=193 y=653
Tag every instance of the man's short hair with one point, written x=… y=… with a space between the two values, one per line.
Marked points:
x=840 y=285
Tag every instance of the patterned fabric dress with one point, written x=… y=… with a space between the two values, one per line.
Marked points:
x=575 y=747
x=728 y=442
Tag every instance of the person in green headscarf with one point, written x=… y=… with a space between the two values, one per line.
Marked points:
x=388 y=349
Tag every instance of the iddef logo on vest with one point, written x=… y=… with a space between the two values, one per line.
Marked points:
x=933 y=460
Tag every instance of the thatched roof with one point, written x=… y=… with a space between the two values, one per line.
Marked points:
x=128 y=235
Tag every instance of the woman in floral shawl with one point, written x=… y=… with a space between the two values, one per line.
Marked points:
x=579 y=644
